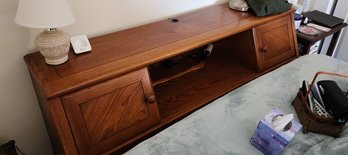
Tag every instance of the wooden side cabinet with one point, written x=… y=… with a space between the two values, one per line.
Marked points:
x=274 y=42
x=138 y=81
x=111 y=112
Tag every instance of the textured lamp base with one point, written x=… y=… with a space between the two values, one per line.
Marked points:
x=57 y=61
x=54 y=45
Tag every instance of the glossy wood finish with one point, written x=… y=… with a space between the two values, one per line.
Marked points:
x=274 y=42
x=111 y=112
x=223 y=72
x=57 y=124
x=104 y=101
x=182 y=73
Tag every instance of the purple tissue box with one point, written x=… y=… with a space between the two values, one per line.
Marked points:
x=271 y=141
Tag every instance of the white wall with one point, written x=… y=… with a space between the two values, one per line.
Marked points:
x=341 y=51
x=20 y=116
x=341 y=11
x=321 y=5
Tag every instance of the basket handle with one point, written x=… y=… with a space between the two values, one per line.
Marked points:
x=315 y=77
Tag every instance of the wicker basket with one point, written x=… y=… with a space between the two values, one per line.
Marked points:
x=312 y=122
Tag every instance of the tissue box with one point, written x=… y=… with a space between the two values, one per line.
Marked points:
x=271 y=141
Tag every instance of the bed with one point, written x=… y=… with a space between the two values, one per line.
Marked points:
x=226 y=125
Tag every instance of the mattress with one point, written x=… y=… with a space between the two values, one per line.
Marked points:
x=226 y=125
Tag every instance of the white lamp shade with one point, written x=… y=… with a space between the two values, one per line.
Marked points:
x=44 y=13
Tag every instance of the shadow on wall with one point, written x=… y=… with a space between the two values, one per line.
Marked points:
x=221 y=1
x=20 y=115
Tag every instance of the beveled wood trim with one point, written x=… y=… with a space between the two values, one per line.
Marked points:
x=62 y=127
x=292 y=18
x=56 y=123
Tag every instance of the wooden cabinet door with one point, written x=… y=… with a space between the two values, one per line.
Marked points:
x=107 y=114
x=274 y=42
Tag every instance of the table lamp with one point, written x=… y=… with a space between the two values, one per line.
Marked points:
x=53 y=44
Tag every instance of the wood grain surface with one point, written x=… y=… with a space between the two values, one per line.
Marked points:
x=104 y=101
x=274 y=42
x=111 y=112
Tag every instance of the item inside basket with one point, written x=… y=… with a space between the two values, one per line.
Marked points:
x=314 y=100
x=335 y=101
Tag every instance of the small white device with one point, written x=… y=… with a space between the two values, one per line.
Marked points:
x=80 y=44
x=239 y=5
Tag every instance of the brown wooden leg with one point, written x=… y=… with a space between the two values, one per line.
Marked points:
x=333 y=43
x=306 y=46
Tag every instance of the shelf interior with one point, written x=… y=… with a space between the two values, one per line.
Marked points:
x=222 y=72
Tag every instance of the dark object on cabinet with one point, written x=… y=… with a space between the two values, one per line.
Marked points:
x=268 y=7
x=106 y=101
x=323 y=19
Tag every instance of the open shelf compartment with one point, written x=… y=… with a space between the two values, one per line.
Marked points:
x=186 y=90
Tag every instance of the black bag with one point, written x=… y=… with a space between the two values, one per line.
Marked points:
x=335 y=100
x=8 y=148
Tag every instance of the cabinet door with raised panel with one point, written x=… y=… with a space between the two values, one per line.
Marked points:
x=107 y=114
x=274 y=42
